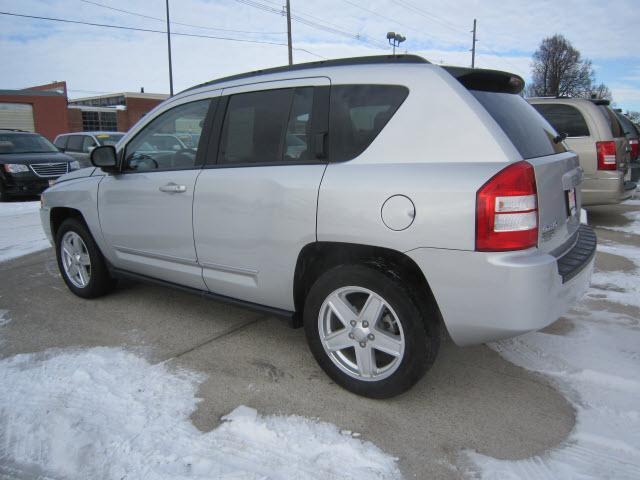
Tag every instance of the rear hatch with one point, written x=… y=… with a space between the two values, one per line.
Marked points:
x=557 y=171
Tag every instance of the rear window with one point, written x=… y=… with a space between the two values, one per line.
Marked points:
x=109 y=138
x=610 y=116
x=629 y=128
x=564 y=118
x=358 y=115
x=527 y=129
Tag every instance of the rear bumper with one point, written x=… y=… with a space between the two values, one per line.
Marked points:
x=489 y=296
x=606 y=188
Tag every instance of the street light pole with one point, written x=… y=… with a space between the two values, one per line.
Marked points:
x=169 y=51
x=289 y=33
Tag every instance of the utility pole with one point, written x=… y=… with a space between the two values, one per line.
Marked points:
x=169 y=50
x=289 y=33
x=473 y=46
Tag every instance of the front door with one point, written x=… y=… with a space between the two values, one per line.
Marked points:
x=146 y=211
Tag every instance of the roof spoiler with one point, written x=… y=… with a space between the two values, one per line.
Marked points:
x=600 y=101
x=487 y=80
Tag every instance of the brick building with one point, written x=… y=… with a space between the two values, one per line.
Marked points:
x=47 y=110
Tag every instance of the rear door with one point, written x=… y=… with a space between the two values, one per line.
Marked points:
x=256 y=199
x=558 y=174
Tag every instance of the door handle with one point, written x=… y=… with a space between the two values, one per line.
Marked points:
x=173 y=188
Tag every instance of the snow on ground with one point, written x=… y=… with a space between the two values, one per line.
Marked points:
x=597 y=366
x=632 y=227
x=20 y=229
x=107 y=413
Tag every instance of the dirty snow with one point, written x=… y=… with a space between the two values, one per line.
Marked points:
x=20 y=229
x=107 y=413
x=632 y=227
x=597 y=366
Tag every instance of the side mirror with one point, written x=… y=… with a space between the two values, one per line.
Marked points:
x=105 y=157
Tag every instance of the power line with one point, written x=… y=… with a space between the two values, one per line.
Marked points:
x=384 y=17
x=319 y=26
x=430 y=16
x=176 y=23
x=149 y=30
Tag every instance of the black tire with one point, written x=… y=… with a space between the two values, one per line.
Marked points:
x=4 y=196
x=421 y=328
x=100 y=282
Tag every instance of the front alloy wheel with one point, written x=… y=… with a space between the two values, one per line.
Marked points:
x=76 y=261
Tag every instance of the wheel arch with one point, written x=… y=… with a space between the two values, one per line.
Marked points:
x=58 y=215
x=318 y=257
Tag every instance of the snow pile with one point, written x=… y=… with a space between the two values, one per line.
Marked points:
x=20 y=230
x=597 y=366
x=106 y=413
x=634 y=222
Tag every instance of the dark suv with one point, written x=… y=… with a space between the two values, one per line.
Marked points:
x=29 y=163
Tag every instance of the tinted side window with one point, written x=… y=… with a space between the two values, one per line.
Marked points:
x=166 y=142
x=610 y=116
x=254 y=127
x=61 y=142
x=87 y=143
x=564 y=118
x=528 y=131
x=74 y=144
x=358 y=115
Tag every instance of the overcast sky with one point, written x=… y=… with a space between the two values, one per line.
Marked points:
x=101 y=60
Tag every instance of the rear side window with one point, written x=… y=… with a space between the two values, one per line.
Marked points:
x=358 y=115
x=610 y=116
x=527 y=129
x=564 y=118
x=74 y=143
x=61 y=142
x=270 y=126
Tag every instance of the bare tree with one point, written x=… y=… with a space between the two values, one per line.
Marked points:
x=601 y=92
x=634 y=116
x=559 y=70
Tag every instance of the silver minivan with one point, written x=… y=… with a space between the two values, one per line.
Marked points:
x=79 y=145
x=376 y=201
x=594 y=132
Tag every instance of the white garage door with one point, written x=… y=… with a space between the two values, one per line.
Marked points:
x=17 y=115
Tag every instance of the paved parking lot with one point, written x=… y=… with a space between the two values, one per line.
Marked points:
x=471 y=399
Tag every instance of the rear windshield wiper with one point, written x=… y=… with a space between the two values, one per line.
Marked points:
x=560 y=138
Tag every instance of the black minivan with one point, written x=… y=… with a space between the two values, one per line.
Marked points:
x=29 y=163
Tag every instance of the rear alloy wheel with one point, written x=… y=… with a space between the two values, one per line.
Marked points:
x=368 y=332
x=80 y=261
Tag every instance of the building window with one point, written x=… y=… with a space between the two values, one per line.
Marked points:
x=99 y=121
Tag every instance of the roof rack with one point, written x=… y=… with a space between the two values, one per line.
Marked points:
x=600 y=101
x=13 y=130
x=339 y=62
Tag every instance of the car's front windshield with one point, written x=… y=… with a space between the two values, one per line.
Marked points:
x=109 y=138
x=25 y=143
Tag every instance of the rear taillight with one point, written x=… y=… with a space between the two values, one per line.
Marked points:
x=507 y=210
x=634 y=149
x=606 y=155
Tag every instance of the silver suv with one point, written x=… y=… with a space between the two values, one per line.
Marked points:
x=594 y=132
x=375 y=201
